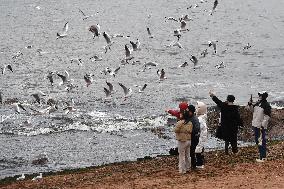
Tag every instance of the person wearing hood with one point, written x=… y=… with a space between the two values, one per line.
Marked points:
x=261 y=115
x=230 y=122
x=195 y=130
x=201 y=113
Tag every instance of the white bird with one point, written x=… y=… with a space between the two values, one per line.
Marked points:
x=135 y=45
x=107 y=92
x=88 y=79
x=177 y=33
x=150 y=64
x=221 y=65
x=247 y=46
x=107 y=70
x=84 y=15
x=183 y=25
x=17 y=55
x=37 y=96
x=161 y=73
x=50 y=77
x=96 y=58
x=213 y=44
x=65 y=78
x=64 y=31
x=194 y=60
x=38 y=177
x=127 y=91
x=7 y=66
x=113 y=73
x=95 y=29
x=17 y=106
x=185 y=18
x=69 y=107
x=149 y=33
x=183 y=65
x=110 y=86
x=175 y=44
x=77 y=60
x=127 y=53
x=204 y=53
x=22 y=177
x=143 y=88
x=47 y=110
x=171 y=18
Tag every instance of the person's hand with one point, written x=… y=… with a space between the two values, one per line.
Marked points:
x=211 y=93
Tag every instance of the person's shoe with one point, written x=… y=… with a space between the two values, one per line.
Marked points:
x=260 y=160
x=200 y=167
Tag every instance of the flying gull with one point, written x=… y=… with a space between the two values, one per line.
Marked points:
x=213 y=44
x=204 y=53
x=110 y=86
x=143 y=88
x=50 y=77
x=161 y=73
x=88 y=79
x=127 y=91
x=135 y=45
x=149 y=33
x=7 y=66
x=84 y=15
x=247 y=46
x=95 y=29
x=64 y=31
x=96 y=58
x=65 y=78
x=183 y=65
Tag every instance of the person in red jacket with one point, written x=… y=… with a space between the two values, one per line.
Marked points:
x=182 y=106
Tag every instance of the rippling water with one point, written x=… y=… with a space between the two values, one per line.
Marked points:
x=101 y=132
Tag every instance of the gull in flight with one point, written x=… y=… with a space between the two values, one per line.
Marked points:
x=88 y=79
x=48 y=110
x=214 y=6
x=128 y=53
x=96 y=58
x=108 y=93
x=183 y=26
x=7 y=66
x=109 y=42
x=149 y=33
x=171 y=18
x=161 y=73
x=213 y=44
x=50 y=77
x=77 y=60
x=70 y=107
x=143 y=88
x=17 y=106
x=95 y=29
x=110 y=86
x=185 y=18
x=135 y=45
x=64 y=31
x=36 y=96
x=65 y=78
x=221 y=65
x=127 y=91
x=113 y=73
x=149 y=65
x=17 y=55
x=84 y=15
x=38 y=177
x=183 y=65
x=204 y=53
x=175 y=44
x=247 y=46
x=177 y=33
x=194 y=60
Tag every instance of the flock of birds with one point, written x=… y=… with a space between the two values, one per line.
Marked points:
x=95 y=30
x=67 y=81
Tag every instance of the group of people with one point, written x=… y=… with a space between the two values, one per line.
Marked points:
x=191 y=128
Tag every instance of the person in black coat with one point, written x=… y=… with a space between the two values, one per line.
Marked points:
x=230 y=121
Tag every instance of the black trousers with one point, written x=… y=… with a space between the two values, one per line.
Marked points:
x=194 y=143
x=234 y=144
x=200 y=158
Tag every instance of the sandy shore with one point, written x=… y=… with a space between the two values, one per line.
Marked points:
x=221 y=171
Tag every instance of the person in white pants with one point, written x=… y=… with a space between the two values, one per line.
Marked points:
x=183 y=132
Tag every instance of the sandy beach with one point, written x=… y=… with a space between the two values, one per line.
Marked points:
x=221 y=171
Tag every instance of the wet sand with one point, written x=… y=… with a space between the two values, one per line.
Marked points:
x=221 y=171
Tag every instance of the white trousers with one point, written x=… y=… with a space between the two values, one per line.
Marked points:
x=184 y=156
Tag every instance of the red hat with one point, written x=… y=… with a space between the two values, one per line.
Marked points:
x=183 y=106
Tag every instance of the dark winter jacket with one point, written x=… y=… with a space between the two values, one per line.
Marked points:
x=230 y=119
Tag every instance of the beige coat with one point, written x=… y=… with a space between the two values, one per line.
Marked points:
x=183 y=131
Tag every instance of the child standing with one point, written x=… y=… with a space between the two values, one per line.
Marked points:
x=201 y=112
